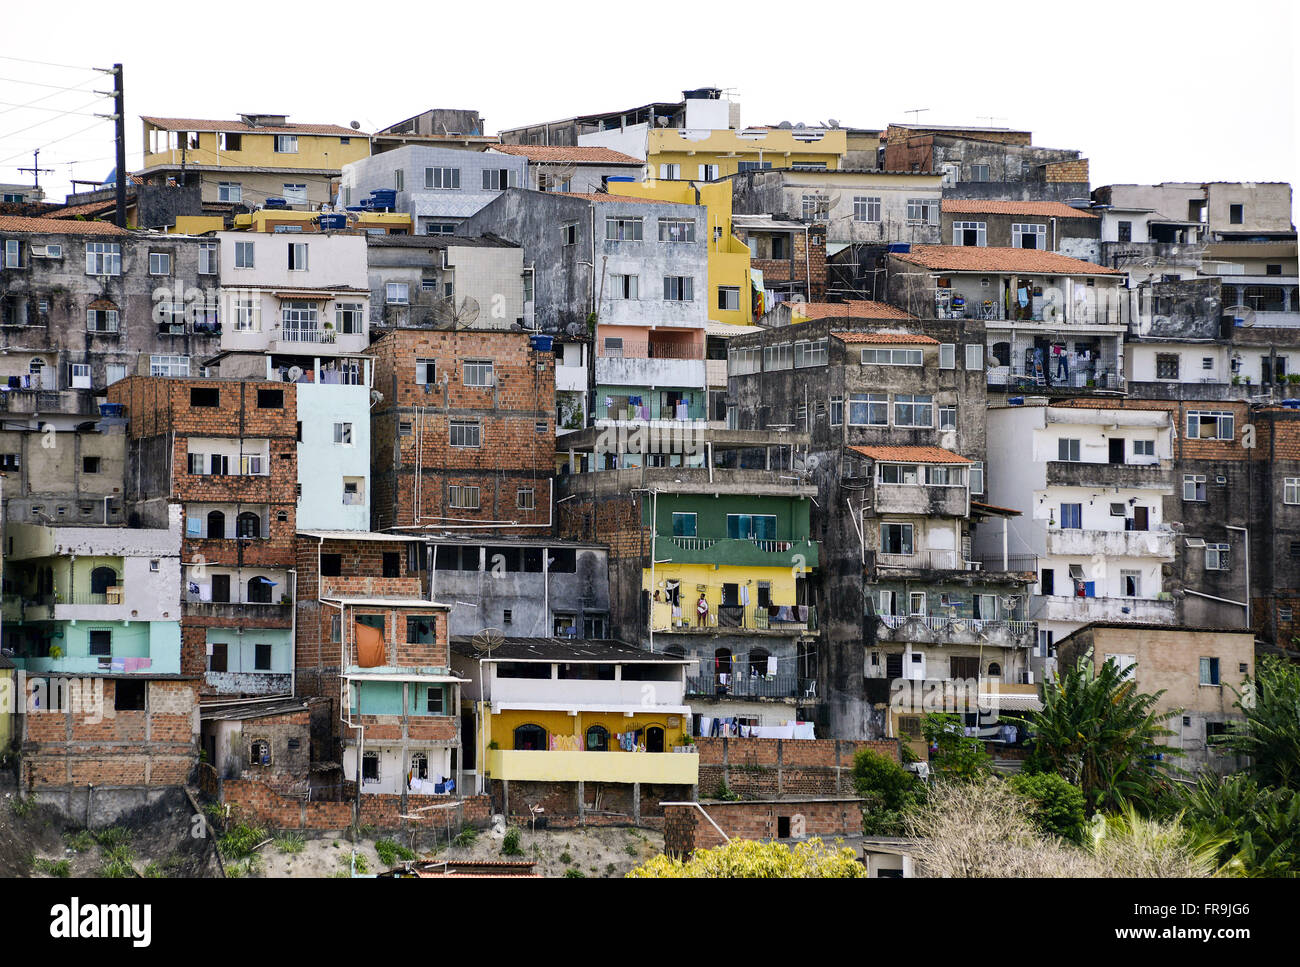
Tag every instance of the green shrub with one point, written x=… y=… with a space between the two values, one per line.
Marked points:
x=292 y=843
x=20 y=807
x=113 y=837
x=510 y=844
x=631 y=849
x=1057 y=807
x=573 y=873
x=889 y=791
x=389 y=852
x=239 y=841
x=465 y=837
x=79 y=842
x=117 y=863
x=566 y=857
x=59 y=868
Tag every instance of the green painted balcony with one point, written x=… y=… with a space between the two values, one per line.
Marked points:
x=743 y=552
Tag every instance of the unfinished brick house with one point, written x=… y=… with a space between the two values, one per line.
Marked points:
x=225 y=450
x=465 y=432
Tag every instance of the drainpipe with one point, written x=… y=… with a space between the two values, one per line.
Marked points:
x=1246 y=534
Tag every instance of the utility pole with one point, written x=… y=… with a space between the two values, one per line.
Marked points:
x=37 y=171
x=118 y=117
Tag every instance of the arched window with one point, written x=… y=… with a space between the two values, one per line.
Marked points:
x=259 y=591
x=530 y=738
x=677 y=651
x=995 y=670
x=597 y=739
x=101 y=579
x=248 y=524
x=217 y=524
x=654 y=738
x=1002 y=353
x=260 y=753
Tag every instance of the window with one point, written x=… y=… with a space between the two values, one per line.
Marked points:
x=891 y=357
x=913 y=410
x=297 y=256
x=466 y=434
x=684 y=524
x=465 y=498
x=243 y=255
x=816 y=208
x=294 y=194
x=670 y=171
x=753 y=165
x=426 y=371
x=103 y=258
x=348 y=318
x=526 y=498
x=286 y=144
x=947 y=356
x=477 y=372
x=1130 y=583
x=1028 y=236
x=1217 y=557
x=866 y=208
x=399 y=179
x=679 y=288
x=353 y=494
x=899 y=473
x=869 y=409
x=205 y=396
x=708 y=172
x=923 y=210
x=837 y=410
x=1209 y=671
x=1193 y=486
x=498 y=179
x=970 y=233
x=729 y=298
x=1124 y=231
x=160 y=263
x=169 y=365
x=1067 y=450
x=896 y=539
x=1236 y=214
x=101 y=642
x=230 y=142
x=977 y=478
x=397 y=293
x=370 y=767
x=101 y=320
x=343 y=434
x=676 y=229
x=1291 y=490
x=1144 y=448
x=760 y=527
x=1071 y=516
x=13 y=254
x=1167 y=365
x=947 y=417
x=811 y=353
x=979 y=173
x=974 y=356
x=626 y=286
x=623 y=228
x=230 y=191
x=569 y=234
x=128 y=696
x=442 y=179
x=1209 y=425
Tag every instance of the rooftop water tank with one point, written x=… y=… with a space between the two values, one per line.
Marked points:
x=540 y=343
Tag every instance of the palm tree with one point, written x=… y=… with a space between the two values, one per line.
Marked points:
x=1270 y=734
x=1100 y=733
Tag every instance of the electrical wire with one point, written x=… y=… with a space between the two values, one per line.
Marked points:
x=29 y=106
x=46 y=63
x=57 y=87
x=78 y=110
x=22 y=154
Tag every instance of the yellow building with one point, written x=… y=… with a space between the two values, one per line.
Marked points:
x=285 y=220
x=247 y=161
x=709 y=155
x=728 y=265
x=8 y=703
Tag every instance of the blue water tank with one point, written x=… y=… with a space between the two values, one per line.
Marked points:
x=333 y=223
x=383 y=198
x=1015 y=401
x=620 y=178
x=111 y=409
x=900 y=246
x=276 y=203
x=540 y=343
x=1291 y=404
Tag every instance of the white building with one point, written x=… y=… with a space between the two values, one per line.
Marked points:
x=1090 y=484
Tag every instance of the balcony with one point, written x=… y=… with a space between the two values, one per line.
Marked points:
x=942 y=630
x=69 y=402
x=78 y=606
x=650 y=364
x=1072 y=473
x=920 y=499
x=272 y=614
x=740 y=685
x=729 y=618
x=1010 y=564
x=576 y=693
x=900 y=565
x=750 y=551
x=1072 y=542
x=674 y=768
x=1016 y=379
x=1082 y=610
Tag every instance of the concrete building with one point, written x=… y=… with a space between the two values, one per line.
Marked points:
x=987 y=162
x=438 y=186
x=1196 y=668
x=787 y=260
x=225 y=451
x=575 y=169
x=256 y=159
x=594 y=727
x=632 y=273
x=1090 y=485
x=464 y=437
x=1045 y=225
x=1052 y=322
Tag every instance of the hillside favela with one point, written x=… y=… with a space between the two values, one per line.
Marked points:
x=678 y=489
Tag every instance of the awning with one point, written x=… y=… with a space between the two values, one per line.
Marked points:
x=389 y=677
x=629 y=709
x=1011 y=702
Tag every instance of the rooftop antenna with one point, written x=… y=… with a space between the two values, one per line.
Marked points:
x=989 y=117
x=36 y=169
x=917 y=111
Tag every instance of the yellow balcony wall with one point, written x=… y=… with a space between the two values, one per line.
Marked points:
x=678 y=768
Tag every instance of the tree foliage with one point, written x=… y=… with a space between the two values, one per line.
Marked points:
x=1260 y=827
x=889 y=791
x=1056 y=807
x=1098 y=732
x=1270 y=735
x=958 y=755
x=749 y=859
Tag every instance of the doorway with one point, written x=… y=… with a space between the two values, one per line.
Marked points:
x=654 y=739
x=1116 y=445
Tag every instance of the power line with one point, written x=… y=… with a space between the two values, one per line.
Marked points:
x=46 y=63
x=22 y=154
x=56 y=110
x=57 y=87
x=77 y=111
x=46 y=97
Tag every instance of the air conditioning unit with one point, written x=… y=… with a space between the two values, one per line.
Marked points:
x=1025 y=678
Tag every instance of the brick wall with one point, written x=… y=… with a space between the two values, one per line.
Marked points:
x=1068 y=171
x=605 y=803
x=801 y=267
x=686 y=830
x=262 y=805
x=775 y=767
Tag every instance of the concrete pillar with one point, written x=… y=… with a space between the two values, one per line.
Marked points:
x=505 y=797
x=780 y=762
x=582 y=804
x=636 y=803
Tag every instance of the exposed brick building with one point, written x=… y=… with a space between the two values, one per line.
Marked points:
x=465 y=432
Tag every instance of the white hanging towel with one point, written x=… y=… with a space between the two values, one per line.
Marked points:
x=771 y=664
x=744 y=595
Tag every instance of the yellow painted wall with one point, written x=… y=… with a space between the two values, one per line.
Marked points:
x=727 y=149
x=691 y=576
x=198 y=224
x=728 y=256
x=501 y=725
x=8 y=701
x=258 y=151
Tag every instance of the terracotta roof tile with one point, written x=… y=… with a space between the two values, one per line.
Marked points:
x=621 y=199
x=90 y=208
x=243 y=127
x=970 y=258
x=575 y=155
x=1047 y=209
x=911 y=454
x=886 y=338
x=57 y=226
x=860 y=309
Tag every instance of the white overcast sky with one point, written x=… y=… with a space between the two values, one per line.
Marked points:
x=1185 y=91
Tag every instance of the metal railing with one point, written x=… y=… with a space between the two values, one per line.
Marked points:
x=1019 y=377
x=309 y=335
x=1012 y=562
x=741 y=684
x=704 y=543
x=650 y=350
x=944 y=623
x=739 y=616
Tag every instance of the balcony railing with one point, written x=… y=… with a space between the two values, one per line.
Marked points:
x=1020 y=378
x=1020 y=563
x=704 y=543
x=926 y=560
x=651 y=350
x=309 y=335
x=755 y=618
x=739 y=684
x=957 y=625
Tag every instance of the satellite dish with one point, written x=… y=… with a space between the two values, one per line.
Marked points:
x=574 y=329
x=355 y=125
x=799 y=125
x=834 y=123
x=468 y=312
x=295 y=374
x=376 y=397
x=812 y=461
x=1009 y=602
x=487 y=639
x=1245 y=313
x=661 y=121
x=785 y=125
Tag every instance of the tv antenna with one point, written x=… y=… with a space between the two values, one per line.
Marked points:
x=989 y=117
x=916 y=112
x=36 y=169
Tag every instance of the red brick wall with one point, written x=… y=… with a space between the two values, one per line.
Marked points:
x=685 y=829
x=773 y=767
x=258 y=803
